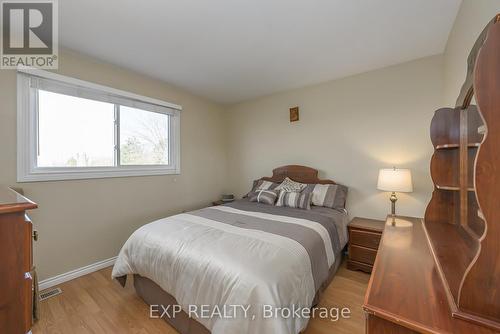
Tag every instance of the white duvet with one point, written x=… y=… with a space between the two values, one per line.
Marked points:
x=204 y=262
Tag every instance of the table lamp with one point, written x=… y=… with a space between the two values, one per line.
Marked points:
x=395 y=180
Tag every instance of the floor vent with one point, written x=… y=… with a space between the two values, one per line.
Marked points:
x=46 y=294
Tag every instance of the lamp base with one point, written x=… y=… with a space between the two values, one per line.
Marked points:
x=393 y=199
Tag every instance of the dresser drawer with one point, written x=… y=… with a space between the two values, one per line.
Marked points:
x=365 y=238
x=362 y=254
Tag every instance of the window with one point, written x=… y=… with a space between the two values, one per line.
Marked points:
x=72 y=129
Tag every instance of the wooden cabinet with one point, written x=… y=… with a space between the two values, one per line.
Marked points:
x=16 y=298
x=364 y=239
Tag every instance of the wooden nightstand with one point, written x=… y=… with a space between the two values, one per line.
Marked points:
x=364 y=238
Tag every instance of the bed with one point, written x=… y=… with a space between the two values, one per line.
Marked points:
x=233 y=268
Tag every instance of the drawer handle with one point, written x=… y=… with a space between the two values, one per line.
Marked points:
x=28 y=276
x=35 y=235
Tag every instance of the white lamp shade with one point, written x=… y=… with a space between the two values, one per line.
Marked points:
x=394 y=179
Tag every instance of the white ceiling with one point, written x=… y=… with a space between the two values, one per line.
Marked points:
x=234 y=50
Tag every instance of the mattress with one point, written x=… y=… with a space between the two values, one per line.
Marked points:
x=249 y=254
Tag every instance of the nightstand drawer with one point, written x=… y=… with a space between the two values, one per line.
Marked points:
x=365 y=238
x=362 y=254
x=355 y=265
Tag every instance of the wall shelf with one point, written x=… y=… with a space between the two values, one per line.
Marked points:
x=455 y=146
x=452 y=188
x=449 y=188
x=451 y=221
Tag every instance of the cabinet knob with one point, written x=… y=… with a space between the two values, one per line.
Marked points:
x=35 y=235
x=28 y=276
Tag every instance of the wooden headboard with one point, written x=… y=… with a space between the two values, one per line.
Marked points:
x=297 y=173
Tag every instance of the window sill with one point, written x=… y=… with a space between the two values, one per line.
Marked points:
x=61 y=174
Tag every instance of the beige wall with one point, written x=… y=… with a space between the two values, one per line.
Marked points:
x=82 y=222
x=348 y=129
x=471 y=20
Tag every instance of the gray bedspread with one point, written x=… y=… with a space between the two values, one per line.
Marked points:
x=333 y=221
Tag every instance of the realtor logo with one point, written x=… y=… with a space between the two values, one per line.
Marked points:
x=29 y=34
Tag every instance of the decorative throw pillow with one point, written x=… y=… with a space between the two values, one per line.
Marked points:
x=295 y=200
x=327 y=195
x=262 y=185
x=290 y=185
x=264 y=196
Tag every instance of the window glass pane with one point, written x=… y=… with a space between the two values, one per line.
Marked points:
x=143 y=137
x=74 y=132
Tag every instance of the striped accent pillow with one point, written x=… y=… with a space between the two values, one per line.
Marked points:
x=295 y=200
x=262 y=185
x=265 y=185
x=328 y=195
x=290 y=185
x=264 y=196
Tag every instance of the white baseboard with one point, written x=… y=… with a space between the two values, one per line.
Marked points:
x=50 y=282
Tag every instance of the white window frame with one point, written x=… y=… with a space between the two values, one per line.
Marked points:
x=27 y=169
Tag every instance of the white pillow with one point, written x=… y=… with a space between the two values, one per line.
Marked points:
x=289 y=185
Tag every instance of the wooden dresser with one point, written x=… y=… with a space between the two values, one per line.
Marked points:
x=405 y=293
x=16 y=297
x=364 y=239
x=441 y=274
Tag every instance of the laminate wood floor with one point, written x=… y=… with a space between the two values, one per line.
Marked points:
x=97 y=304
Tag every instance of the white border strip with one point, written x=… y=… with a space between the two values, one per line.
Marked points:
x=320 y=229
x=70 y=275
